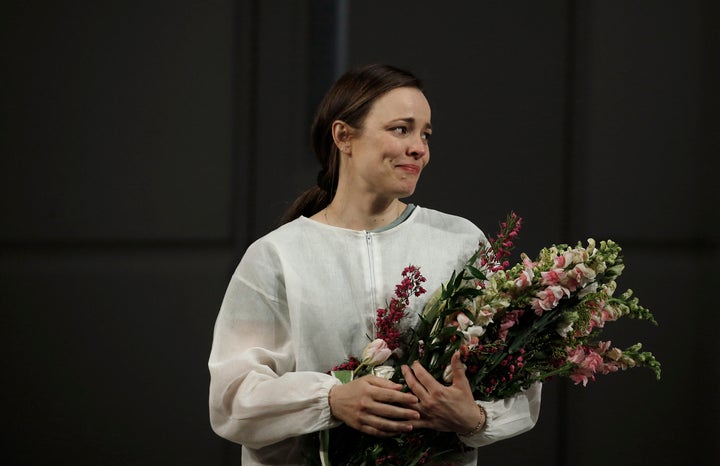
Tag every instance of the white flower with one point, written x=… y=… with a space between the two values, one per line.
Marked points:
x=485 y=315
x=564 y=328
x=591 y=288
x=386 y=372
x=615 y=354
x=474 y=331
x=591 y=247
x=447 y=374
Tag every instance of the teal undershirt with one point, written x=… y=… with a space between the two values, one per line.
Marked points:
x=406 y=213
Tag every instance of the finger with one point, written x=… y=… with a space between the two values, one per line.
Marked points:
x=458 y=370
x=381 y=427
x=425 y=378
x=423 y=423
x=413 y=383
x=394 y=412
x=393 y=397
x=389 y=401
x=381 y=382
x=391 y=391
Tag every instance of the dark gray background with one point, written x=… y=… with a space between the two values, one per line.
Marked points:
x=143 y=145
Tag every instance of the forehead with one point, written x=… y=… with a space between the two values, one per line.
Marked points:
x=403 y=102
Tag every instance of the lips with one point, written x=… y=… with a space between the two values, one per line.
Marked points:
x=414 y=169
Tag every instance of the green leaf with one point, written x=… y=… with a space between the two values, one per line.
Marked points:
x=476 y=273
x=343 y=376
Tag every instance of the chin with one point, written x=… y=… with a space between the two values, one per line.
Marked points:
x=405 y=193
x=404 y=188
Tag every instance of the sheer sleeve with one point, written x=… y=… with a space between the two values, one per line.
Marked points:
x=508 y=418
x=256 y=398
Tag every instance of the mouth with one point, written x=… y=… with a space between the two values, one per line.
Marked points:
x=409 y=168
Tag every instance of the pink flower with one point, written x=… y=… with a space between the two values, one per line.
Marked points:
x=576 y=355
x=503 y=244
x=587 y=363
x=612 y=358
x=548 y=298
x=463 y=321
x=376 y=352
x=603 y=346
x=525 y=278
x=607 y=368
x=609 y=313
x=387 y=320
x=552 y=277
x=527 y=262
x=570 y=283
x=560 y=261
x=509 y=320
x=583 y=274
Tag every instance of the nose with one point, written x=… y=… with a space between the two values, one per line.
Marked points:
x=418 y=148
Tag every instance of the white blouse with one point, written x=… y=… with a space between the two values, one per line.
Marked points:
x=303 y=299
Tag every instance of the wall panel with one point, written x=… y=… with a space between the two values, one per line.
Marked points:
x=116 y=121
x=118 y=189
x=643 y=146
x=639 y=133
x=108 y=355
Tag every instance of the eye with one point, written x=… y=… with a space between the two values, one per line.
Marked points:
x=399 y=130
x=427 y=135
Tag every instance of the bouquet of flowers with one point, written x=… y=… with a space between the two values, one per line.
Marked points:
x=514 y=326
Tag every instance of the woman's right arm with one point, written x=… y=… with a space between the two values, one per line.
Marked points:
x=374 y=406
x=256 y=397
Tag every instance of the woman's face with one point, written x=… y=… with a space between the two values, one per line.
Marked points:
x=386 y=156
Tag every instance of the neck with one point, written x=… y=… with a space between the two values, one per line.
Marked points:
x=355 y=215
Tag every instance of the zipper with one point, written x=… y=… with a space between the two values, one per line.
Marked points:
x=371 y=263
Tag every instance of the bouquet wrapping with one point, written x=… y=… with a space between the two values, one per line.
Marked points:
x=513 y=326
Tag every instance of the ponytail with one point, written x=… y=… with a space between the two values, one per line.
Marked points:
x=309 y=203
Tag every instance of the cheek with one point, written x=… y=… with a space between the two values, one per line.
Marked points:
x=390 y=146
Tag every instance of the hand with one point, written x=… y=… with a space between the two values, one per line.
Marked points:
x=374 y=405
x=443 y=408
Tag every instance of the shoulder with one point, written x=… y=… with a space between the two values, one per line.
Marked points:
x=284 y=233
x=435 y=229
x=267 y=252
x=446 y=222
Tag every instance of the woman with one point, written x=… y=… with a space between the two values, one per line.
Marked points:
x=304 y=297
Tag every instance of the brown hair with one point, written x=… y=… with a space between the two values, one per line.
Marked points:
x=348 y=100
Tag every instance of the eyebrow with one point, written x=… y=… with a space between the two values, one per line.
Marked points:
x=412 y=121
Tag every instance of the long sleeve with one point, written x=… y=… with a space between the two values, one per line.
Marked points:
x=508 y=417
x=256 y=397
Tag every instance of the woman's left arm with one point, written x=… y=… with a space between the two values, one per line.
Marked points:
x=453 y=409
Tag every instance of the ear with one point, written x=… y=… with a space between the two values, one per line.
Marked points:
x=341 y=133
